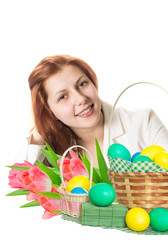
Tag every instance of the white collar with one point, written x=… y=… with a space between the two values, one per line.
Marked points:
x=116 y=128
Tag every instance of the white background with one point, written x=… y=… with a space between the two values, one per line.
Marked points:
x=123 y=41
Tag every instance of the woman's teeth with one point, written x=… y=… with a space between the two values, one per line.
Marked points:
x=86 y=111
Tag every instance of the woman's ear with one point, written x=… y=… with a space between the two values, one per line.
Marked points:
x=59 y=123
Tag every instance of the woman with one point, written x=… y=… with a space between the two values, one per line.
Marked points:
x=67 y=110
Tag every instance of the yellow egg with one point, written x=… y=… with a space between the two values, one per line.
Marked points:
x=78 y=181
x=152 y=150
x=161 y=158
x=137 y=219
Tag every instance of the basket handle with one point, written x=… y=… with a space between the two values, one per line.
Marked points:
x=62 y=160
x=115 y=103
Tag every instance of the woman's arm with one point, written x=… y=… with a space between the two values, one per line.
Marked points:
x=35 y=138
x=30 y=150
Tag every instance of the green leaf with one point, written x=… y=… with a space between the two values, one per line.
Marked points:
x=102 y=164
x=56 y=171
x=55 y=185
x=58 y=212
x=55 y=178
x=30 y=204
x=50 y=195
x=51 y=156
x=96 y=175
x=18 y=168
x=85 y=162
x=18 y=192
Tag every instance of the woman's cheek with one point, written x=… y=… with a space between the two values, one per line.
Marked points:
x=92 y=94
x=66 y=113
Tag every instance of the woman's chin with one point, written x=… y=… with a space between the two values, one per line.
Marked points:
x=88 y=123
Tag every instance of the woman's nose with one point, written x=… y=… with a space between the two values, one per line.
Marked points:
x=79 y=98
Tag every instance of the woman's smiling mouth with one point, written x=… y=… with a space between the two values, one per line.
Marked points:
x=86 y=112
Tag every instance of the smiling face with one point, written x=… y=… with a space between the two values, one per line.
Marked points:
x=73 y=98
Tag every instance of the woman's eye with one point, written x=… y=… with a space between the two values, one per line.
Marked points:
x=83 y=83
x=62 y=97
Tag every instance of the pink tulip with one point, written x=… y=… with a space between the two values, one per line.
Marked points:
x=13 y=180
x=49 y=204
x=73 y=167
x=34 y=179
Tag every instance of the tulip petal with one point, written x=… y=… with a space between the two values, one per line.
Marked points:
x=48 y=214
x=13 y=180
x=73 y=167
x=34 y=179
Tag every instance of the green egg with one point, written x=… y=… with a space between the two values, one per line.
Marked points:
x=120 y=151
x=159 y=219
x=102 y=194
x=142 y=158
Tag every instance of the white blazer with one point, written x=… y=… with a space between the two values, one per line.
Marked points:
x=135 y=130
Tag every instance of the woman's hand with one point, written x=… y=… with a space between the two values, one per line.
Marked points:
x=35 y=138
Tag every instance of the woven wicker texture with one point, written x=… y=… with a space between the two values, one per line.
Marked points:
x=146 y=190
x=71 y=203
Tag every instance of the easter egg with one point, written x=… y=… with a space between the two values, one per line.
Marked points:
x=137 y=219
x=161 y=158
x=135 y=155
x=78 y=181
x=152 y=150
x=142 y=158
x=102 y=194
x=159 y=219
x=120 y=151
x=78 y=190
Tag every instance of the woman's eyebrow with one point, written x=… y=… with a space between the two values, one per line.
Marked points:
x=78 y=80
x=76 y=83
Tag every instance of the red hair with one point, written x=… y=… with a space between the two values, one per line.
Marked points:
x=45 y=121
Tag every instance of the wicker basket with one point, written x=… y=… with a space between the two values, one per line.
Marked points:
x=134 y=189
x=145 y=190
x=71 y=203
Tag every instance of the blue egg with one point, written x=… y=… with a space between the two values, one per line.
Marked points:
x=135 y=155
x=78 y=190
